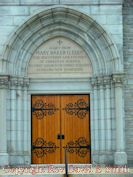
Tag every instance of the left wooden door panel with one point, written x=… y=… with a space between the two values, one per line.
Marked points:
x=45 y=128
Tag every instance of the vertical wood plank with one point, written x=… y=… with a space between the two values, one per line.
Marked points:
x=45 y=128
x=76 y=128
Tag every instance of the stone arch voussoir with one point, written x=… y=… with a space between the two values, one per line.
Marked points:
x=61 y=21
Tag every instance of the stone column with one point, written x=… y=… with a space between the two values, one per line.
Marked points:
x=101 y=120
x=26 y=121
x=13 y=127
x=20 y=119
x=92 y=124
x=107 y=83
x=95 y=120
x=3 y=117
x=120 y=157
x=29 y=125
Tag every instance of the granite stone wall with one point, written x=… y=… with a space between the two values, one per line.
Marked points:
x=108 y=13
x=114 y=16
x=128 y=68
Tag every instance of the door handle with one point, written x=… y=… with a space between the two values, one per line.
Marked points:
x=59 y=136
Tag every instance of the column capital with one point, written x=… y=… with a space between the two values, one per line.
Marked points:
x=101 y=80
x=93 y=81
x=26 y=82
x=107 y=80
x=4 y=81
x=20 y=81
x=13 y=81
x=16 y=81
x=118 y=78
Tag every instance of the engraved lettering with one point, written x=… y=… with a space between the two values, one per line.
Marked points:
x=59 y=56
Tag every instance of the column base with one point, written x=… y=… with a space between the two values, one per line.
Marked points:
x=20 y=159
x=120 y=158
x=4 y=159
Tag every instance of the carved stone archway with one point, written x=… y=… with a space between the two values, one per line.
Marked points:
x=105 y=87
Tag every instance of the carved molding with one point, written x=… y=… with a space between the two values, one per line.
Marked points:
x=19 y=81
x=43 y=22
x=118 y=79
x=4 y=81
x=101 y=81
x=107 y=80
x=26 y=82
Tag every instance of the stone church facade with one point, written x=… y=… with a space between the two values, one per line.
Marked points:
x=98 y=35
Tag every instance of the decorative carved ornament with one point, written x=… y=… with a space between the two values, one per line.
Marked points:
x=4 y=81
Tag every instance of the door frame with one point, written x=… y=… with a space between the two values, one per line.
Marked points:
x=62 y=95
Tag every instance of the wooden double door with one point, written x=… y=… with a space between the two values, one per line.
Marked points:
x=59 y=122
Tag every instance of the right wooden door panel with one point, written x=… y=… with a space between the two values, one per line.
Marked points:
x=75 y=128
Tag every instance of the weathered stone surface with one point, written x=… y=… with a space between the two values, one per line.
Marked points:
x=91 y=2
x=120 y=158
x=59 y=56
x=3 y=39
x=106 y=9
x=109 y=15
x=101 y=19
x=128 y=63
x=14 y=10
x=6 y=20
x=114 y=19
x=85 y=9
x=5 y=30
x=35 y=9
x=34 y=2
x=114 y=29
x=17 y=20
x=9 y=2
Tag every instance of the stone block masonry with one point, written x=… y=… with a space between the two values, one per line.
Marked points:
x=69 y=20
x=128 y=67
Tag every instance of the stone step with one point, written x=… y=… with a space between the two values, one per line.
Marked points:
x=74 y=175
x=74 y=171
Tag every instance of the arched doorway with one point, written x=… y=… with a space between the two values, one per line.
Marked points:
x=104 y=87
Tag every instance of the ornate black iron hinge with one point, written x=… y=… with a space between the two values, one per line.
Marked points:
x=40 y=147
x=81 y=147
x=40 y=109
x=80 y=108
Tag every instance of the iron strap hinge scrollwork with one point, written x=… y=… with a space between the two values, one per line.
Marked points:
x=41 y=109
x=41 y=147
x=79 y=108
x=80 y=147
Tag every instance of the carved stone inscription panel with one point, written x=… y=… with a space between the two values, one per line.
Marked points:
x=59 y=57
